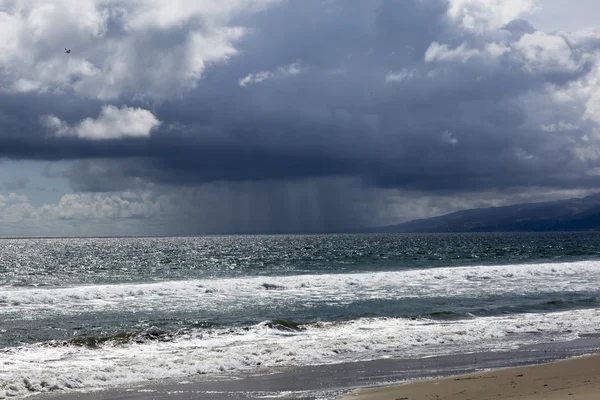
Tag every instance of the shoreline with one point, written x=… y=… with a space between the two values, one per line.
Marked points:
x=338 y=381
x=575 y=378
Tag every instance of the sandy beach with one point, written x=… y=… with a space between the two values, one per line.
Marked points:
x=573 y=379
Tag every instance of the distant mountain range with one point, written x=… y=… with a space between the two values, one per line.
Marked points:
x=580 y=214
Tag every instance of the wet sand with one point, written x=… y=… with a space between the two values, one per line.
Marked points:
x=572 y=379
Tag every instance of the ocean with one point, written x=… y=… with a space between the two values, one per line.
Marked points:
x=82 y=314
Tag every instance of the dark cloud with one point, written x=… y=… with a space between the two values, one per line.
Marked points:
x=361 y=102
x=519 y=27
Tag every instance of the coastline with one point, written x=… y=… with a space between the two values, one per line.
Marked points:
x=575 y=378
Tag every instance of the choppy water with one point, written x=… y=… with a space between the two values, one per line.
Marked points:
x=87 y=313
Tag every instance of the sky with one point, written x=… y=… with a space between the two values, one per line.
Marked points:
x=256 y=116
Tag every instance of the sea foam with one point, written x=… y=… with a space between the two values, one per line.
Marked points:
x=305 y=290
x=261 y=348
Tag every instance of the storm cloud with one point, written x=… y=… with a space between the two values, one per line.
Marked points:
x=272 y=99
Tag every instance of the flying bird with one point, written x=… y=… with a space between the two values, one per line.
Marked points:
x=67 y=51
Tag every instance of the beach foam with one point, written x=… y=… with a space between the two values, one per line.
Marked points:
x=57 y=366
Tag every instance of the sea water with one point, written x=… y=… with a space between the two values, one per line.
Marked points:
x=88 y=313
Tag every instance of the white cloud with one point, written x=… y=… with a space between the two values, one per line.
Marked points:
x=255 y=78
x=485 y=15
x=26 y=85
x=402 y=75
x=83 y=213
x=96 y=206
x=120 y=48
x=496 y=50
x=559 y=127
x=588 y=90
x=545 y=53
x=587 y=38
x=441 y=52
x=57 y=126
x=582 y=96
x=113 y=123
x=15 y=208
x=144 y=14
x=18 y=213
x=522 y=154
x=281 y=72
x=448 y=138
x=490 y=51
x=18 y=197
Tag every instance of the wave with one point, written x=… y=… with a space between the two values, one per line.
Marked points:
x=271 y=345
x=303 y=290
x=154 y=333
x=139 y=336
x=531 y=307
